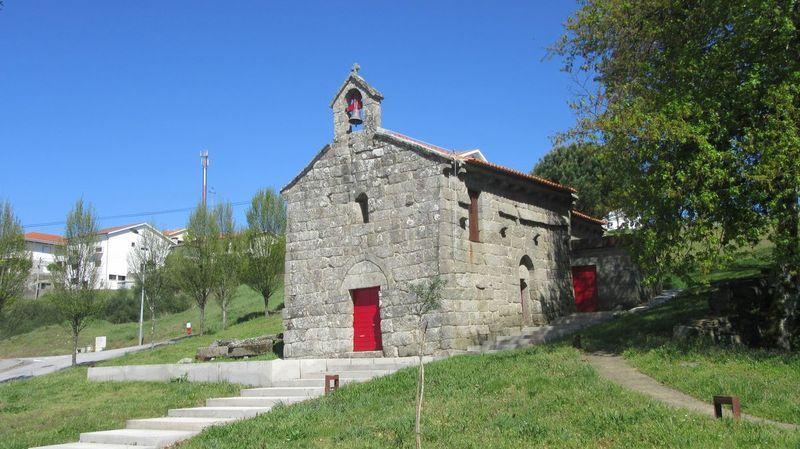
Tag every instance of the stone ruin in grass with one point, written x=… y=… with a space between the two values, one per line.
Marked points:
x=249 y=347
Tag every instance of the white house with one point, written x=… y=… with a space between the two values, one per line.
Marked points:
x=113 y=248
x=42 y=248
x=176 y=235
x=114 y=245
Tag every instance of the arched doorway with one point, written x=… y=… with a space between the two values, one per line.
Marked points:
x=525 y=269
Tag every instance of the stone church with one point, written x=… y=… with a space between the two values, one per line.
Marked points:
x=376 y=211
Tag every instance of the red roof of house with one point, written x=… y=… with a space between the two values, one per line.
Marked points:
x=519 y=174
x=579 y=214
x=43 y=237
x=170 y=232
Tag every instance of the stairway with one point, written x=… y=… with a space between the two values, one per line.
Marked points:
x=183 y=423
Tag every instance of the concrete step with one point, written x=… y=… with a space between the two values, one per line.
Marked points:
x=138 y=437
x=283 y=391
x=352 y=374
x=175 y=423
x=218 y=412
x=312 y=382
x=79 y=445
x=343 y=368
x=254 y=401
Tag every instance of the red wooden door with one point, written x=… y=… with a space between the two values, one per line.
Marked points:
x=584 y=281
x=366 y=320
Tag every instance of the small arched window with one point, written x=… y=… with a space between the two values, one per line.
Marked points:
x=363 y=204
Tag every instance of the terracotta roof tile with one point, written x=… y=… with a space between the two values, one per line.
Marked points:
x=579 y=214
x=43 y=237
x=519 y=174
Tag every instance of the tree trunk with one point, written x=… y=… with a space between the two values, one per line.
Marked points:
x=788 y=249
x=420 y=388
x=74 y=346
x=224 y=314
x=266 y=295
x=202 y=319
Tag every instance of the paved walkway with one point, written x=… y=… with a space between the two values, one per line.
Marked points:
x=23 y=368
x=617 y=370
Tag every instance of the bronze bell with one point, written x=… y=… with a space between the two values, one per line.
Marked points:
x=355 y=116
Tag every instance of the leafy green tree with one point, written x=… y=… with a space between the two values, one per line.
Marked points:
x=697 y=110
x=75 y=272
x=687 y=101
x=192 y=265
x=228 y=259
x=147 y=266
x=266 y=244
x=15 y=262
x=578 y=165
x=428 y=298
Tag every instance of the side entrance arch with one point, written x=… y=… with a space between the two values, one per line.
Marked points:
x=525 y=268
x=363 y=283
x=584 y=282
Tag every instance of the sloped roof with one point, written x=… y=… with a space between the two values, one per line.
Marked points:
x=472 y=157
x=521 y=175
x=44 y=238
x=171 y=232
x=118 y=228
x=586 y=217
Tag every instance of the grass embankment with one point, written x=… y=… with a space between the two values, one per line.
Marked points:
x=539 y=397
x=56 y=339
x=766 y=381
x=57 y=407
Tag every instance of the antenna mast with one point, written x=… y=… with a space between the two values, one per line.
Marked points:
x=204 y=161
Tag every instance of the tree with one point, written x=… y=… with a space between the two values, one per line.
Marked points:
x=227 y=259
x=15 y=262
x=698 y=111
x=578 y=165
x=192 y=265
x=75 y=272
x=429 y=298
x=266 y=244
x=147 y=265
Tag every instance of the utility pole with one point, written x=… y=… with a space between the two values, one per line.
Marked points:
x=204 y=161
x=141 y=305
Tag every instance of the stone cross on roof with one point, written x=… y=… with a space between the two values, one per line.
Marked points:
x=355 y=68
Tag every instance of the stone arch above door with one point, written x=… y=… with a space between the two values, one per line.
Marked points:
x=364 y=274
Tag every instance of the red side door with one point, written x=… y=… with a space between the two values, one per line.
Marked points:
x=366 y=320
x=584 y=281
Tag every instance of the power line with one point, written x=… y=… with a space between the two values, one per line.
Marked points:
x=129 y=215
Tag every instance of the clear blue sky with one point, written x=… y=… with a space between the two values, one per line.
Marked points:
x=114 y=101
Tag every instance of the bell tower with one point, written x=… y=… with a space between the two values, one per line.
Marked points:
x=356 y=106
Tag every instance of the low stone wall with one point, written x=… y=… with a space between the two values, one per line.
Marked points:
x=258 y=374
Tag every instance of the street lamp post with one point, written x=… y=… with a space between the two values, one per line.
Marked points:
x=141 y=305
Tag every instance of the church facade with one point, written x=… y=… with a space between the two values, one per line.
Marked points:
x=376 y=211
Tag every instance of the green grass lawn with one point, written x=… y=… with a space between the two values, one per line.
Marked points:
x=543 y=397
x=767 y=382
x=56 y=339
x=57 y=407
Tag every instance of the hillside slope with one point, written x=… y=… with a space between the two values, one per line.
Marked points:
x=543 y=397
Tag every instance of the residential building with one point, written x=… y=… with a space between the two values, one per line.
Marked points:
x=42 y=248
x=178 y=236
